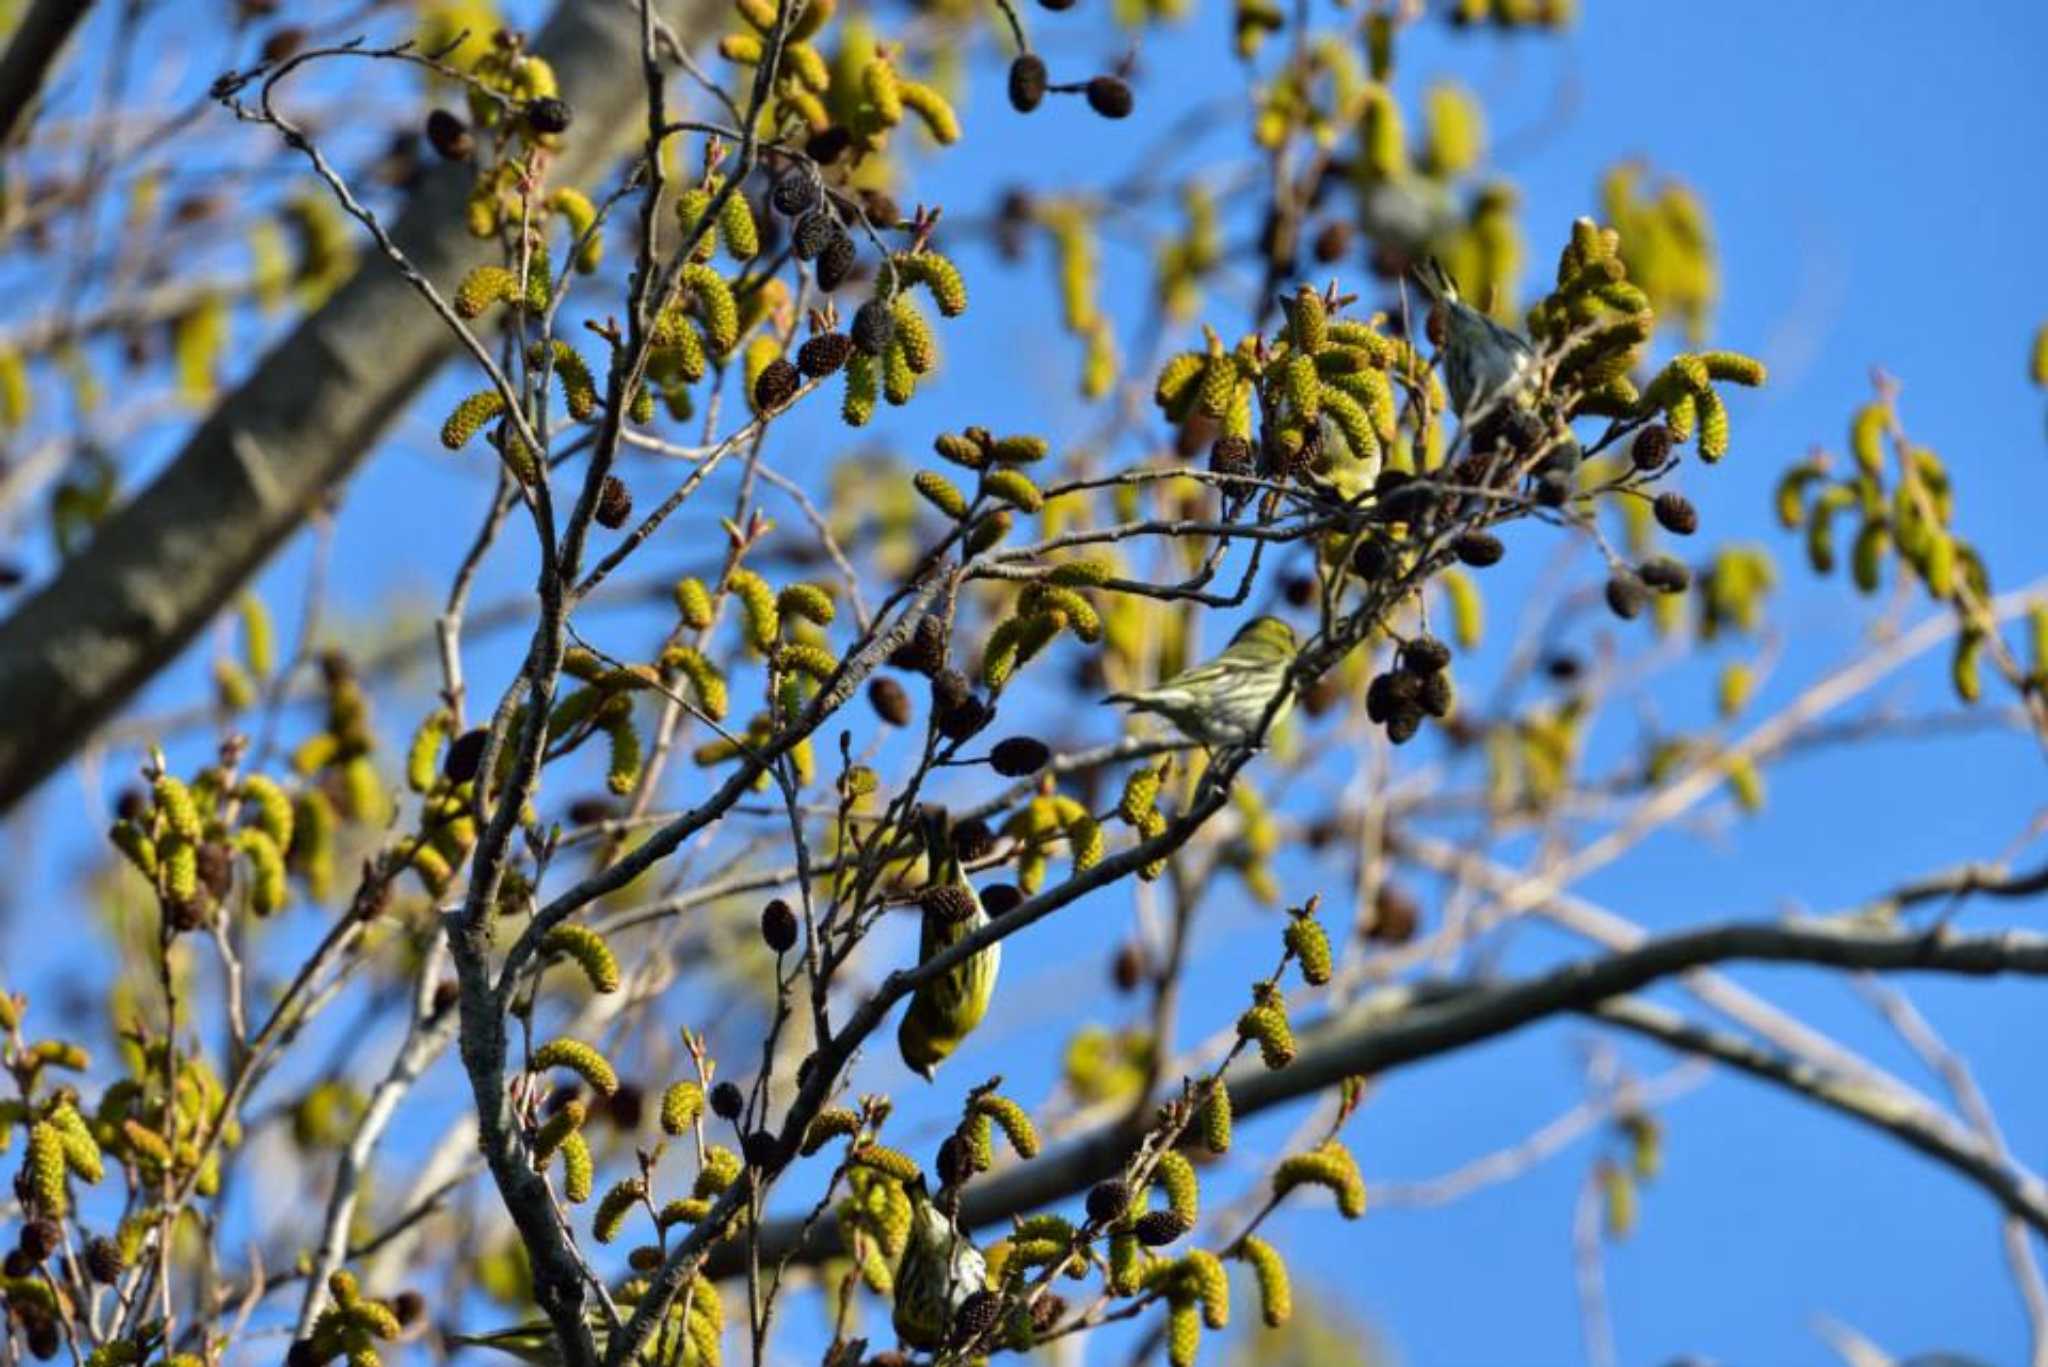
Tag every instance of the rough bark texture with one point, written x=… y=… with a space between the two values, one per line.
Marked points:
x=297 y=426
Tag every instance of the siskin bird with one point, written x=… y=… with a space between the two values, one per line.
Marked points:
x=685 y=1342
x=944 y=1011
x=1483 y=361
x=1224 y=702
x=940 y=1269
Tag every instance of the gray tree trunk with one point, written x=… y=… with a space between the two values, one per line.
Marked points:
x=162 y=566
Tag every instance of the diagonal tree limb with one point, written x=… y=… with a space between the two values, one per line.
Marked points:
x=1409 y=1024
x=296 y=427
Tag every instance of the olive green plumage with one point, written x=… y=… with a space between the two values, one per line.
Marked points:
x=1224 y=702
x=940 y=1269
x=944 y=1011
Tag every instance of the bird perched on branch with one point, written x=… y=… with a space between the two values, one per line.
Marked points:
x=940 y=1269
x=945 y=1010
x=1484 y=363
x=1224 y=702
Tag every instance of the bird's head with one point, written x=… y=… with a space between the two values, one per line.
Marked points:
x=1266 y=634
x=1436 y=282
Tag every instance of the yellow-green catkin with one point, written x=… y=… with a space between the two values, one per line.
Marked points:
x=693 y=603
x=267 y=886
x=681 y=1104
x=588 y=951
x=1329 y=1166
x=578 y=1169
x=1016 y=1125
x=764 y=618
x=578 y=1058
x=1183 y=1193
x=1310 y=946
x=1276 y=1294
x=1215 y=1119
x=617 y=1204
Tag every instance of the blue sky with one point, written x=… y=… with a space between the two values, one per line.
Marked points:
x=1877 y=200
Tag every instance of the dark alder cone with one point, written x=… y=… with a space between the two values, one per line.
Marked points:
x=948 y=902
x=1107 y=1201
x=1371 y=558
x=1298 y=589
x=1019 y=755
x=185 y=915
x=972 y=840
x=132 y=805
x=1523 y=430
x=1002 y=899
x=1675 y=514
x=409 y=1306
x=44 y=1340
x=925 y=651
x=823 y=354
x=446 y=993
x=890 y=701
x=874 y=326
x=588 y=811
x=549 y=115
x=645 y=1258
x=614 y=503
x=1127 y=969
x=1404 y=723
x=1664 y=574
x=1332 y=242
x=283 y=43
x=1652 y=447
x=16 y=1263
x=1403 y=690
x=776 y=385
x=1479 y=549
x=626 y=1106
x=955 y=1162
x=1562 y=668
x=1027 y=82
x=1395 y=915
x=1377 y=704
x=1056 y=5
x=460 y=764
x=1625 y=595
x=1231 y=455
x=39 y=1239
x=950 y=689
x=976 y=1316
x=794 y=195
x=1047 y=1310
x=449 y=136
x=814 y=232
x=964 y=720
x=1553 y=488
x=778 y=926
x=1425 y=655
x=727 y=1101
x=1436 y=695
x=828 y=146
x=836 y=261
x=1110 y=97
x=1158 y=1228
x=104 y=1262
x=217 y=870
x=760 y=1147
